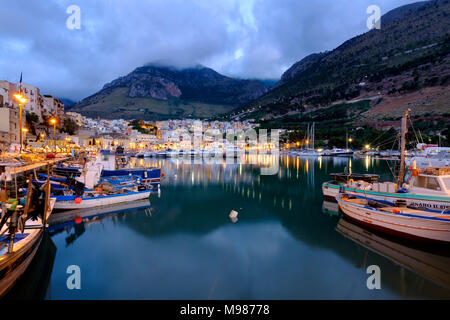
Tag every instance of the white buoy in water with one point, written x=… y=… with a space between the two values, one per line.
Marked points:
x=233 y=214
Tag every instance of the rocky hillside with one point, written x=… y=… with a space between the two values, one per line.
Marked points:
x=155 y=92
x=405 y=64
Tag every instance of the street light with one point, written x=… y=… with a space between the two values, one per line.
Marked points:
x=22 y=100
x=53 y=122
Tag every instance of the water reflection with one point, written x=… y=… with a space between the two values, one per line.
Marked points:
x=281 y=246
x=426 y=262
x=35 y=282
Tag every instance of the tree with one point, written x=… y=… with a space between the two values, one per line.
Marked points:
x=69 y=126
x=31 y=119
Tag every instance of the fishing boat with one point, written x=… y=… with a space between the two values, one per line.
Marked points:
x=419 y=187
x=429 y=262
x=427 y=188
x=414 y=224
x=96 y=198
x=22 y=228
x=152 y=174
x=68 y=218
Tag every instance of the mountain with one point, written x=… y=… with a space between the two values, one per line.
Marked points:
x=155 y=92
x=405 y=64
x=67 y=102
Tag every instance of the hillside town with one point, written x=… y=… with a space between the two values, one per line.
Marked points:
x=47 y=126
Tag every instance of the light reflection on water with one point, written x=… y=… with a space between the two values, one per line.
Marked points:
x=281 y=245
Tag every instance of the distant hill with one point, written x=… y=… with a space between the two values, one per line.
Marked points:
x=67 y=102
x=405 y=64
x=155 y=92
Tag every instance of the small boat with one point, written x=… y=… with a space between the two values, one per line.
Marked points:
x=91 y=199
x=146 y=173
x=421 y=225
x=336 y=152
x=162 y=153
x=67 y=218
x=425 y=188
x=21 y=234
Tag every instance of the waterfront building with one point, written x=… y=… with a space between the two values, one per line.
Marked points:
x=35 y=101
x=53 y=107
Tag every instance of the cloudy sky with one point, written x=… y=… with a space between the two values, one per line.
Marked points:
x=239 y=38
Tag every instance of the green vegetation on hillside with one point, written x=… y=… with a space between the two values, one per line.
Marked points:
x=115 y=103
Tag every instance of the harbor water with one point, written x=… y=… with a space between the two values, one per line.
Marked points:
x=285 y=243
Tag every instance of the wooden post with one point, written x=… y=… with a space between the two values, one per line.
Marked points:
x=47 y=189
x=28 y=199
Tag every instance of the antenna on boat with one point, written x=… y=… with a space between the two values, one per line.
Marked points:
x=404 y=130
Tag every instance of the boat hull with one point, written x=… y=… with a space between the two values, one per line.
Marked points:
x=405 y=226
x=68 y=202
x=16 y=263
x=331 y=191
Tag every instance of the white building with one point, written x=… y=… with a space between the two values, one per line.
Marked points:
x=32 y=93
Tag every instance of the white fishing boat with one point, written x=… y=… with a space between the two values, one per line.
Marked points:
x=423 y=187
x=96 y=199
x=426 y=188
x=92 y=213
x=399 y=221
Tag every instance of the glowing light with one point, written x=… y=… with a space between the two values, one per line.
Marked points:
x=20 y=98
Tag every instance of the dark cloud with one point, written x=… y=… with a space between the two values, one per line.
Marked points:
x=241 y=38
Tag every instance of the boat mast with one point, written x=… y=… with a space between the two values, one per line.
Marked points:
x=346 y=140
x=404 y=130
x=307 y=137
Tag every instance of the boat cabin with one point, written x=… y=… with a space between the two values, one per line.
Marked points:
x=431 y=181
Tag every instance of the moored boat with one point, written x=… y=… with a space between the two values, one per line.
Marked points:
x=427 y=188
x=400 y=221
x=96 y=199
x=22 y=228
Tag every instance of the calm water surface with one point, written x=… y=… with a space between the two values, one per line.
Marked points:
x=286 y=244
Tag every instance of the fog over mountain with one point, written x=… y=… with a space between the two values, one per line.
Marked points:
x=248 y=39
